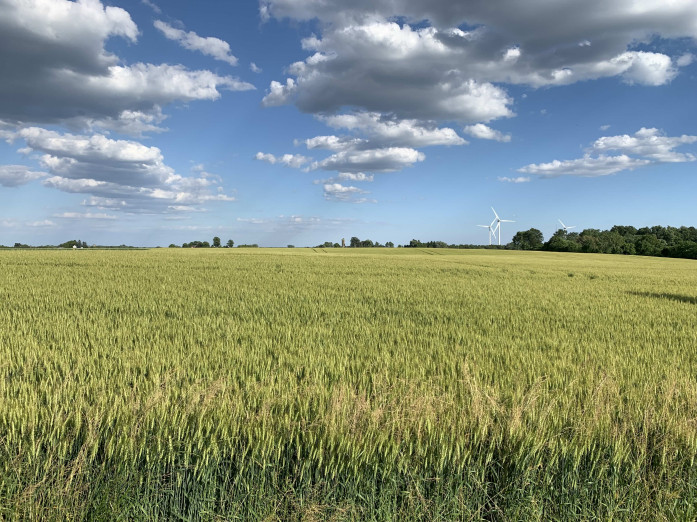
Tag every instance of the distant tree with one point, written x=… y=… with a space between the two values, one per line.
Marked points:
x=561 y=241
x=649 y=245
x=230 y=243
x=355 y=242
x=590 y=240
x=684 y=249
x=173 y=246
x=336 y=245
x=389 y=244
x=216 y=242
x=291 y=246
x=611 y=242
x=366 y=243
x=21 y=245
x=70 y=244
x=528 y=240
x=624 y=230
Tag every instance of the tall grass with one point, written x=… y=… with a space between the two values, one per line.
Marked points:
x=385 y=385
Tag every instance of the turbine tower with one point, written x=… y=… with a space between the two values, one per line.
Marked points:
x=566 y=229
x=498 y=221
x=491 y=230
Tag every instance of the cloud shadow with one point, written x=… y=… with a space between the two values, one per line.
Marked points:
x=671 y=297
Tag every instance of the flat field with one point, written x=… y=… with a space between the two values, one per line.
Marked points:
x=352 y=384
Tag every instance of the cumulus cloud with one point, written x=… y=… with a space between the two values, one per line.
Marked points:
x=289 y=160
x=644 y=147
x=279 y=94
x=484 y=132
x=648 y=143
x=339 y=192
x=427 y=67
x=386 y=131
x=54 y=52
x=392 y=72
x=355 y=176
x=16 y=175
x=586 y=166
x=255 y=68
x=118 y=174
x=210 y=46
x=333 y=142
x=373 y=160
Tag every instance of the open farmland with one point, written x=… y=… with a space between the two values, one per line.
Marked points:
x=346 y=384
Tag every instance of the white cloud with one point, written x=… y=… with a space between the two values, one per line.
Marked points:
x=645 y=147
x=429 y=69
x=355 y=176
x=133 y=123
x=586 y=166
x=685 y=60
x=85 y=215
x=152 y=6
x=54 y=51
x=373 y=160
x=640 y=67
x=339 y=192
x=124 y=175
x=210 y=46
x=346 y=176
x=278 y=93
x=255 y=68
x=333 y=142
x=385 y=131
x=16 y=175
x=648 y=143
x=289 y=160
x=485 y=132
x=518 y=179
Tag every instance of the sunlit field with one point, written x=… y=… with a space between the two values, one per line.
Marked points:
x=346 y=384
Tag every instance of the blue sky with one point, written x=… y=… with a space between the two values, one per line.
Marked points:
x=302 y=121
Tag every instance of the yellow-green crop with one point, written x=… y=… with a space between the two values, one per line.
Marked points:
x=360 y=384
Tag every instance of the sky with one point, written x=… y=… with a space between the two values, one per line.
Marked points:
x=278 y=122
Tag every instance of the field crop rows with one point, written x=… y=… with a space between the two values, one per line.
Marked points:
x=351 y=384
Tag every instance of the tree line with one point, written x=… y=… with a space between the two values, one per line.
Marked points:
x=621 y=239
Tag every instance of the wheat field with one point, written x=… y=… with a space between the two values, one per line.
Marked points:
x=346 y=384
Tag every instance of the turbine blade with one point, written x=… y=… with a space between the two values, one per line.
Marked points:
x=506 y=221
x=562 y=224
x=497 y=216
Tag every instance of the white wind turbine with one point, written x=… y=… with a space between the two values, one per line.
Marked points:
x=491 y=230
x=566 y=229
x=498 y=221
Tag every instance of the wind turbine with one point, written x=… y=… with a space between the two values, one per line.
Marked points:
x=566 y=229
x=498 y=221
x=491 y=230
